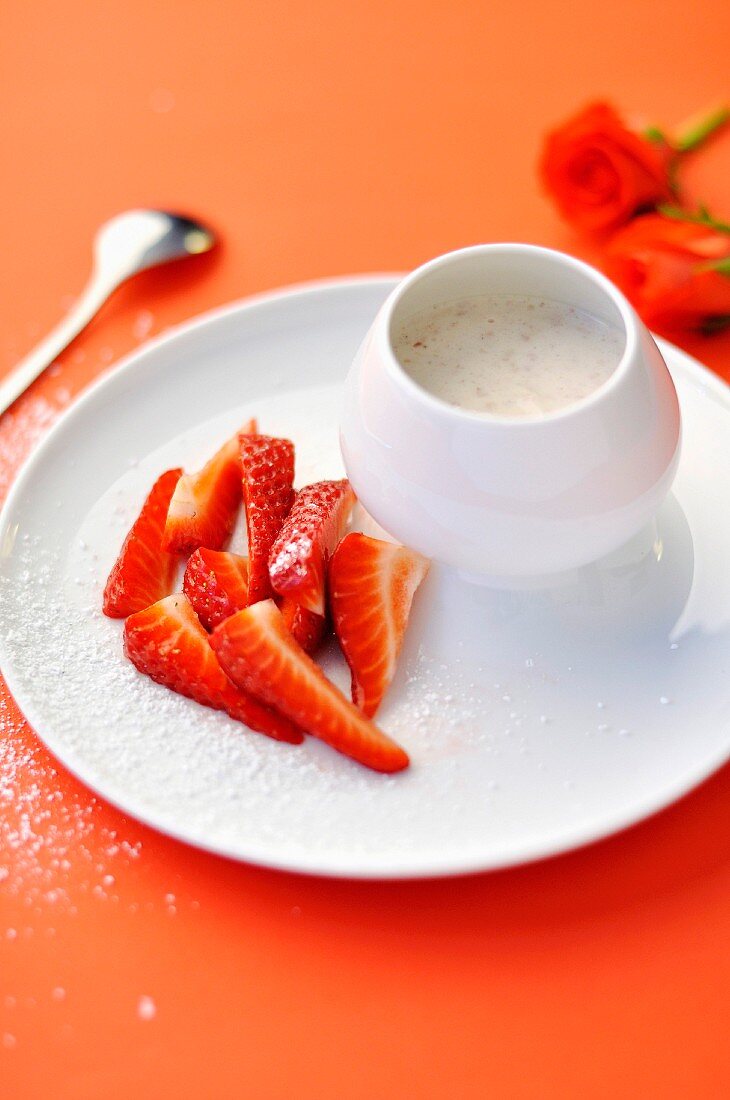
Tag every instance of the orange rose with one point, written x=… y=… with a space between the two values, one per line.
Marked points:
x=600 y=173
x=674 y=269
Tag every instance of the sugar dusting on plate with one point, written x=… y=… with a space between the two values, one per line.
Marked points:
x=182 y=766
x=500 y=752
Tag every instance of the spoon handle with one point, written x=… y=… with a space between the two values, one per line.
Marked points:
x=92 y=298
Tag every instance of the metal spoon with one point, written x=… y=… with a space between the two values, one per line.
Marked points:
x=129 y=243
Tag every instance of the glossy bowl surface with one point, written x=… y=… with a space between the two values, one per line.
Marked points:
x=502 y=497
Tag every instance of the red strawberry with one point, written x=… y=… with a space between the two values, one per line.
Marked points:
x=298 y=559
x=372 y=584
x=306 y=627
x=260 y=655
x=267 y=467
x=143 y=572
x=204 y=506
x=216 y=583
x=167 y=642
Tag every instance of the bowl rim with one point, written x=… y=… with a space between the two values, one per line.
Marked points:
x=454 y=413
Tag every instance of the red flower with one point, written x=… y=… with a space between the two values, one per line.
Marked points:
x=600 y=173
x=675 y=269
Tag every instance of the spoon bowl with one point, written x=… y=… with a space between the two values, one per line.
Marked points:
x=139 y=239
x=124 y=246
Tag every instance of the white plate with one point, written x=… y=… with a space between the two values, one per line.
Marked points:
x=535 y=721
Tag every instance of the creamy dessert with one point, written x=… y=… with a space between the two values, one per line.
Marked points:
x=509 y=355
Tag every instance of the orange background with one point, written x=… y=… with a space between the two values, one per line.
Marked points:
x=329 y=137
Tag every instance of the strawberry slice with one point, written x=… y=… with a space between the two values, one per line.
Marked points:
x=216 y=583
x=260 y=655
x=267 y=467
x=204 y=505
x=167 y=642
x=371 y=587
x=306 y=627
x=299 y=556
x=143 y=572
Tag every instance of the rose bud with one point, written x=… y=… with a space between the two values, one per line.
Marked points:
x=675 y=269
x=600 y=173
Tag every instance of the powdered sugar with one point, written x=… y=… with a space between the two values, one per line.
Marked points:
x=146 y=1008
x=46 y=834
x=202 y=775
x=178 y=764
x=22 y=426
x=481 y=671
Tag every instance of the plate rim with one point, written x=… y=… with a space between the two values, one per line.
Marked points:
x=365 y=867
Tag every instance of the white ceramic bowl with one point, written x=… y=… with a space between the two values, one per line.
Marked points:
x=510 y=498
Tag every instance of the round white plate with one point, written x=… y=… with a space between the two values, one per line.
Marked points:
x=536 y=721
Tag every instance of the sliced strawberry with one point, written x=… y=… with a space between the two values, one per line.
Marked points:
x=143 y=572
x=371 y=588
x=267 y=468
x=205 y=504
x=316 y=523
x=167 y=642
x=306 y=627
x=260 y=655
x=216 y=583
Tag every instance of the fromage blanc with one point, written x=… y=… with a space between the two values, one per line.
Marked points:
x=508 y=355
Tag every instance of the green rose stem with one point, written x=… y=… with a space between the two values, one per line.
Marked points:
x=722 y=267
x=695 y=132
x=691 y=136
x=701 y=216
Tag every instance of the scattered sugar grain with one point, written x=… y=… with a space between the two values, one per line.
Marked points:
x=44 y=832
x=189 y=764
x=143 y=323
